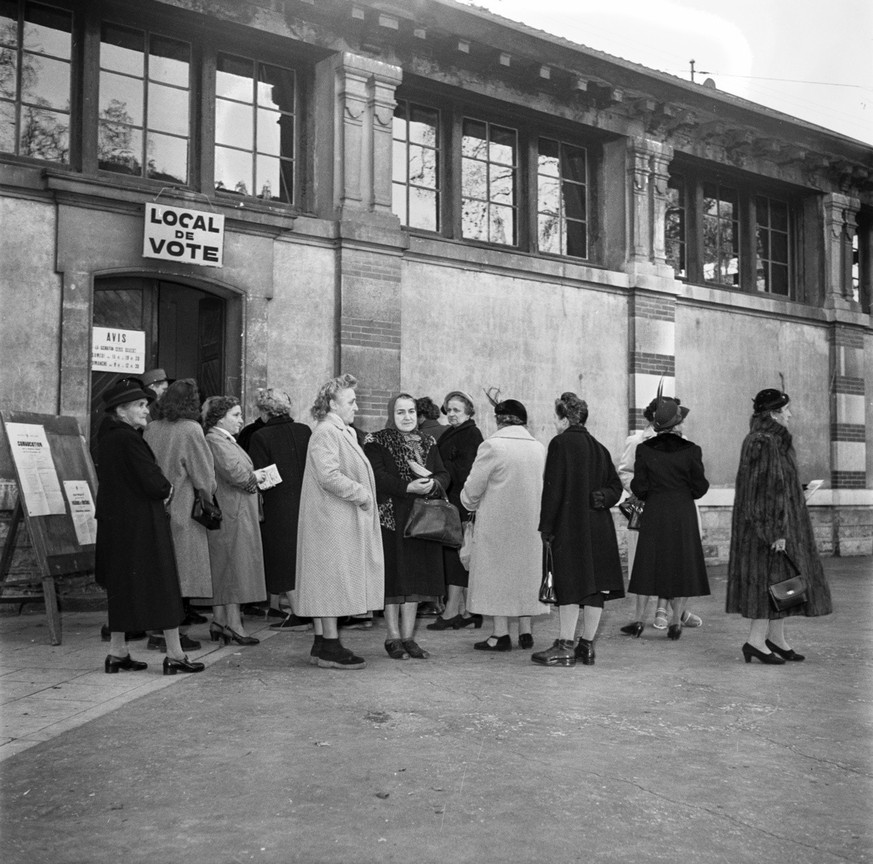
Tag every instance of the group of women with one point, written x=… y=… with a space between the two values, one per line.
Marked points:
x=333 y=530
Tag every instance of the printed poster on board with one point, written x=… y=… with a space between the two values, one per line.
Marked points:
x=40 y=487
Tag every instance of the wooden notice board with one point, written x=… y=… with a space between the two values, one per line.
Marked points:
x=56 y=491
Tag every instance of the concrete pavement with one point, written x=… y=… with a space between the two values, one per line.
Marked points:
x=662 y=751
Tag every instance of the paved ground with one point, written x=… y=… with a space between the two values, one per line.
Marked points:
x=661 y=752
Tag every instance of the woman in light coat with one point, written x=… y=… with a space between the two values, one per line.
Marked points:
x=504 y=488
x=340 y=568
x=235 y=550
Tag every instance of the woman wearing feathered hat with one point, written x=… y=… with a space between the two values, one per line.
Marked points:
x=770 y=517
x=669 y=476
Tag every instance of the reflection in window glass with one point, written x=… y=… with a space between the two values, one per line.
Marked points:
x=489 y=164
x=36 y=121
x=721 y=235
x=144 y=104
x=771 y=238
x=255 y=129
x=415 y=191
x=562 y=199
x=674 y=226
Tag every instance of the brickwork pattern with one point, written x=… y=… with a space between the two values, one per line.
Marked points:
x=848 y=432
x=848 y=479
x=849 y=385
x=372 y=408
x=659 y=308
x=846 y=338
x=636 y=420
x=368 y=333
x=645 y=363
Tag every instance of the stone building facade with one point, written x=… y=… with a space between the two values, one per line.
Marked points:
x=431 y=197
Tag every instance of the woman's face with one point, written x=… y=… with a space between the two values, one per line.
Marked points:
x=456 y=412
x=232 y=421
x=782 y=417
x=345 y=405
x=135 y=414
x=405 y=417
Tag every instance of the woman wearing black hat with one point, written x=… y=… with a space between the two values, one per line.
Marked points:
x=669 y=476
x=134 y=556
x=770 y=517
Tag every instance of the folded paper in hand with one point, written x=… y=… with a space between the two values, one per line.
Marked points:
x=418 y=469
x=271 y=477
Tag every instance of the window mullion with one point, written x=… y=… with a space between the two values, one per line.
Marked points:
x=748 y=251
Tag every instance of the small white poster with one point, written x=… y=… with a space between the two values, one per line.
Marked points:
x=32 y=454
x=114 y=350
x=82 y=511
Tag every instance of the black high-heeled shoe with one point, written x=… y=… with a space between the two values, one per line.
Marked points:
x=123 y=664
x=750 y=651
x=674 y=631
x=232 y=636
x=785 y=654
x=172 y=666
x=474 y=621
x=440 y=623
x=635 y=629
x=216 y=632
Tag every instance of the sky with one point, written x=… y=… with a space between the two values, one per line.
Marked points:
x=812 y=59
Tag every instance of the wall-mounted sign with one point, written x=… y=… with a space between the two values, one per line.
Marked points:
x=118 y=350
x=177 y=234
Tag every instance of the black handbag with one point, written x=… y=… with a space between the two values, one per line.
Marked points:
x=435 y=519
x=632 y=509
x=208 y=515
x=547 y=586
x=789 y=592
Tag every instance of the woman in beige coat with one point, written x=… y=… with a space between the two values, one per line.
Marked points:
x=504 y=488
x=340 y=568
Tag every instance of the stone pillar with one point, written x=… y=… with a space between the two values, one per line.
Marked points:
x=840 y=212
x=648 y=164
x=652 y=351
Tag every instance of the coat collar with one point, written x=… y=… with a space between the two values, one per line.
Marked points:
x=519 y=433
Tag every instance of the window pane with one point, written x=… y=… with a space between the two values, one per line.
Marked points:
x=573 y=164
x=548 y=196
x=268 y=182
x=574 y=201
x=233 y=171
x=46 y=82
x=270 y=131
x=233 y=78
x=233 y=124
x=398 y=202
x=549 y=234
x=779 y=215
x=423 y=209
x=398 y=128
x=44 y=135
x=779 y=279
x=422 y=166
x=119 y=148
x=547 y=157
x=121 y=99
x=7 y=127
x=168 y=109
x=398 y=163
x=276 y=88
x=474 y=141
x=502 y=184
x=167 y=158
x=168 y=61
x=423 y=126
x=577 y=240
x=121 y=50
x=763 y=242
x=502 y=148
x=474 y=179
x=47 y=31
x=779 y=247
x=502 y=225
x=474 y=220
x=8 y=23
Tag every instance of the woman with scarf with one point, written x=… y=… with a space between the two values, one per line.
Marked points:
x=413 y=567
x=770 y=517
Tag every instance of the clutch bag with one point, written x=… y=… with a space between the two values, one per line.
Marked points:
x=632 y=509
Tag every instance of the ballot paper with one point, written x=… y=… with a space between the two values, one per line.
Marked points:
x=418 y=469
x=82 y=511
x=38 y=478
x=811 y=488
x=271 y=477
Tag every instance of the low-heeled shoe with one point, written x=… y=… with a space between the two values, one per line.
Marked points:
x=123 y=664
x=473 y=621
x=785 y=654
x=440 y=623
x=634 y=629
x=502 y=643
x=171 y=666
x=525 y=641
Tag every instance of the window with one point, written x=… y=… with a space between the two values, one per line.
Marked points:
x=415 y=188
x=562 y=199
x=255 y=128
x=144 y=104
x=489 y=162
x=35 y=80
x=730 y=234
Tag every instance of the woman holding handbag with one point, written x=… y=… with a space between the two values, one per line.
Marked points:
x=406 y=464
x=770 y=518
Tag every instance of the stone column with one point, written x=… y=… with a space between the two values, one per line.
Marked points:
x=840 y=212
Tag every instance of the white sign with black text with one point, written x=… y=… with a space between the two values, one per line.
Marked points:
x=114 y=350
x=178 y=234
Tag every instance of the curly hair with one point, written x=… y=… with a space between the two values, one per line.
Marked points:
x=649 y=410
x=568 y=406
x=215 y=407
x=276 y=403
x=329 y=390
x=427 y=409
x=181 y=401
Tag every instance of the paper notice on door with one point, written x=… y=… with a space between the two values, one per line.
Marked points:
x=82 y=511
x=36 y=469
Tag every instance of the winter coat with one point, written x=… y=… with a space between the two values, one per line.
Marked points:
x=235 y=550
x=281 y=442
x=769 y=505
x=183 y=455
x=433 y=428
x=134 y=553
x=504 y=489
x=669 y=476
x=413 y=567
x=584 y=546
x=340 y=568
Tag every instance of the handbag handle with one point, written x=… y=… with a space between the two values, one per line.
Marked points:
x=791 y=563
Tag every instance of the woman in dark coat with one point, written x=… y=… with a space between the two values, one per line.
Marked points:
x=770 y=516
x=134 y=555
x=669 y=477
x=580 y=484
x=413 y=568
x=280 y=442
x=457 y=445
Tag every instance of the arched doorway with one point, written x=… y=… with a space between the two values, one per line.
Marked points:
x=186 y=333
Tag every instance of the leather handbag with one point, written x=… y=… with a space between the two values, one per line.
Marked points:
x=789 y=592
x=208 y=515
x=632 y=509
x=435 y=519
x=547 y=586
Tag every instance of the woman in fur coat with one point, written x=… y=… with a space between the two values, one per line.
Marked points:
x=770 y=517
